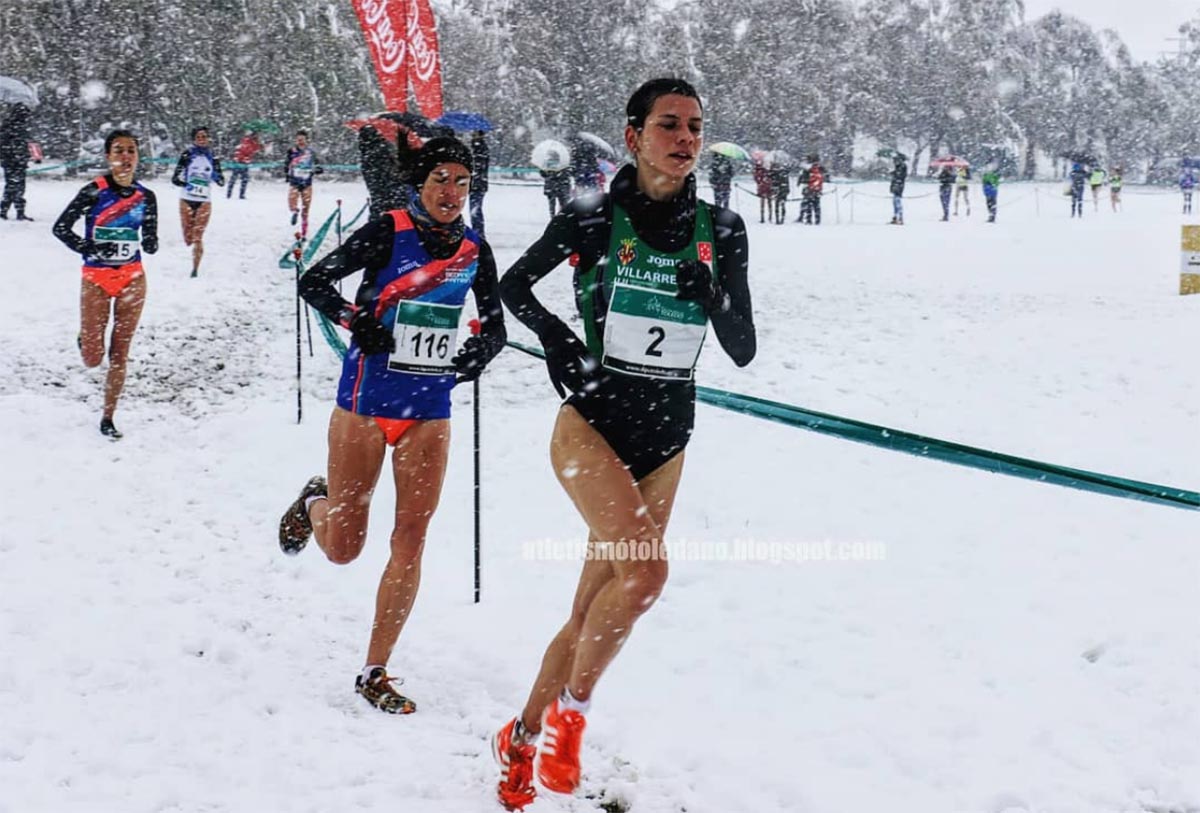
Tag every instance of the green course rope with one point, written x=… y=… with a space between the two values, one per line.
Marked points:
x=946 y=451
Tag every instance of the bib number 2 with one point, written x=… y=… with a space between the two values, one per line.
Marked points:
x=649 y=333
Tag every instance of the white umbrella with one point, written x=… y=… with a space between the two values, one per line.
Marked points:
x=14 y=91
x=551 y=155
x=599 y=142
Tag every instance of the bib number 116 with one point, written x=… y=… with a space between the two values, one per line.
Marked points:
x=428 y=345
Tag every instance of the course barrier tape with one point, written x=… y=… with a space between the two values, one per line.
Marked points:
x=947 y=451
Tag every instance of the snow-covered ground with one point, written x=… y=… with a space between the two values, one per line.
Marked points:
x=159 y=653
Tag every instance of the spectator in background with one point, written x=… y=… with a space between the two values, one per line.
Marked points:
x=1187 y=182
x=247 y=148
x=1079 y=176
x=585 y=167
x=762 y=187
x=1114 y=187
x=1096 y=182
x=896 y=187
x=812 y=186
x=781 y=186
x=962 y=177
x=556 y=186
x=991 y=189
x=14 y=159
x=720 y=175
x=480 y=164
x=945 y=179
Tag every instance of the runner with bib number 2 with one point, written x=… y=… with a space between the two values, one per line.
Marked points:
x=654 y=267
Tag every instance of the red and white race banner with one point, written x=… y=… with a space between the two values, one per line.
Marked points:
x=385 y=24
x=425 y=70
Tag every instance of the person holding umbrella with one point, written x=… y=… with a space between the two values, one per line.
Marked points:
x=654 y=266
x=945 y=179
x=762 y=187
x=14 y=159
x=418 y=266
x=720 y=176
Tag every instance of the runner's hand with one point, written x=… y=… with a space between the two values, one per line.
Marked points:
x=93 y=249
x=150 y=244
x=568 y=361
x=471 y=359
x=372 y=337
x=696 y=283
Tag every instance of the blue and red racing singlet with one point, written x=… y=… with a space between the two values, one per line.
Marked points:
x=118 y=221
x=420 y=299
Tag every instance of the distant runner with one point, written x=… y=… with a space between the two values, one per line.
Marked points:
x=196 y=171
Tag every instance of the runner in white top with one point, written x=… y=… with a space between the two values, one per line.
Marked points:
x=196 y=171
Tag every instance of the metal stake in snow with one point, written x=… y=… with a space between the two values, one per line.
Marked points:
x=297 y=253
x=475 y=328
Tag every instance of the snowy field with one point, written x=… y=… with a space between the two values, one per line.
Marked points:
x=158 y=653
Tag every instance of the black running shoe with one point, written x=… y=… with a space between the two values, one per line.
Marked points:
x=108 y=430
x=23 y=216
x=295 y=216
x=195 y=272
x=295 y=528
x=378 y=691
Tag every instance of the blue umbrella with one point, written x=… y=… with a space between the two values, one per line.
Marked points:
x=461 y=120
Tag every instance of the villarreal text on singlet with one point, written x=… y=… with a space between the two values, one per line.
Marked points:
x=646 y=331
x=420 y=299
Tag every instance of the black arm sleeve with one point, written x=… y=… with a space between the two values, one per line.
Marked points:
x=370 y=247
x=486 y=289
x=218 y=173
x=516 y=289
x=150 y=220
x=177 y=177
x=734 y=324
x=64 y=227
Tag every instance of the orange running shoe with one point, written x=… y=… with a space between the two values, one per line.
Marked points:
x=516 y=788
x=558 y=758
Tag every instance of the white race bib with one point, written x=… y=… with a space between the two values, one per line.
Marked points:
x=197 y=188
x=125 y=240
x=426 y=336
x=650 y=333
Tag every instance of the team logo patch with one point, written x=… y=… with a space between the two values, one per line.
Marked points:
x=704 y=250
x=628 y=251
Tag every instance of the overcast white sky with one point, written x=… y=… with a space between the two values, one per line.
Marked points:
x=1145 y=25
